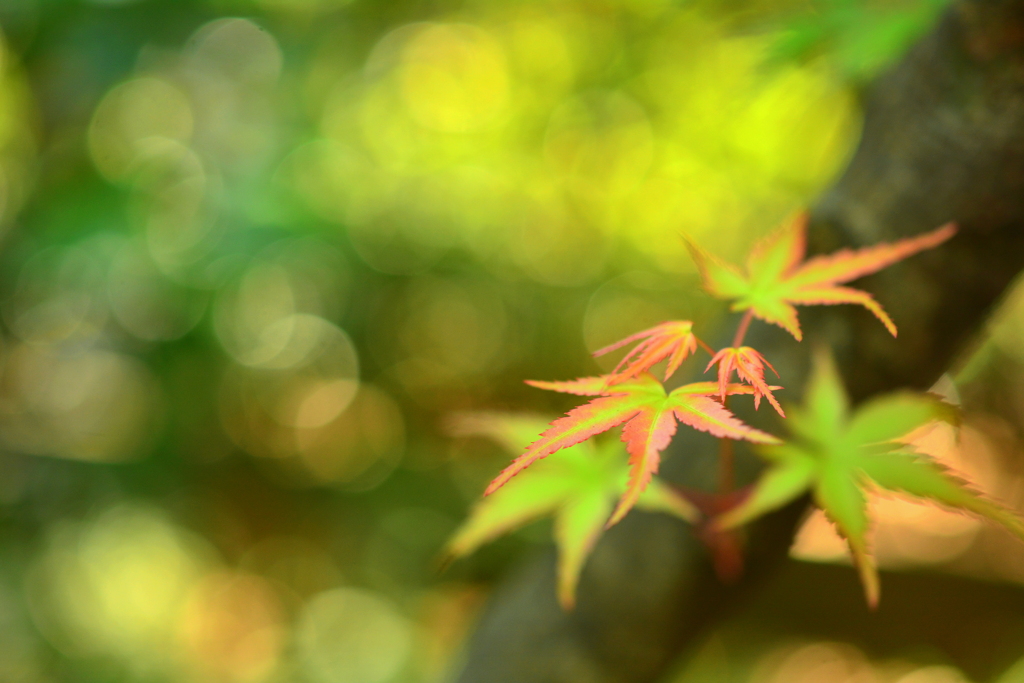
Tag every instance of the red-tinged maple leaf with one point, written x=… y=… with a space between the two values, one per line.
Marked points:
x=673 y=340
x=648 y=415
x=777 y=278
x=749 y=367
x=584 y=386
x=577 y=486
x=602 y=386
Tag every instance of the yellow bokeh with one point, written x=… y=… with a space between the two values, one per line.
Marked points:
x=232 y=628
x=348 y=635
x=116 y=585
x=129 y=116
x=454 y=78
x=483 y=137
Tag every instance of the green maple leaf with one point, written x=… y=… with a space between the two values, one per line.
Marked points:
x=648 y=415
x=578 y=485
x=838 y=456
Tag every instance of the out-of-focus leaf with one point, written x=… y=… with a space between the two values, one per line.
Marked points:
x=578 y=485
x=859 y=37
x=838 y=457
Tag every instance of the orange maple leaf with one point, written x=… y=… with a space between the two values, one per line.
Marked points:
x=648 y=415
x=749 y=367
x=776 y=280
x=673 y=339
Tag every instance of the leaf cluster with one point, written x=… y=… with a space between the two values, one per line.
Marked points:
x=578 y=485
x=837 y=455
x=841 y=456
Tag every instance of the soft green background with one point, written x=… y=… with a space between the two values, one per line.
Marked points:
x=257 y=253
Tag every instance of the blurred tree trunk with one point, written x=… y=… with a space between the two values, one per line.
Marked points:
x=943 y=140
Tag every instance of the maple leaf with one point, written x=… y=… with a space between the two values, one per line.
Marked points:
x=776 y=280
x=838 y=457
x=578 y=485
x=749 y=367
x=648 y=415
x=673 y=340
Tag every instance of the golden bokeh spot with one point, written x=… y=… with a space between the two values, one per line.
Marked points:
x=835 y=662
x=231 y=66
x=232 y=628
x=360 y=447
x=131 y=113
x=454 y=78
x=247 y=314
x=820 y=663
x=348 y=635
x=541 y=55
x=319 y=430
x=934 y=674
x=323 y=401
x=271 y=316
x=116 y=586
x=86 y=404
x=602 y=144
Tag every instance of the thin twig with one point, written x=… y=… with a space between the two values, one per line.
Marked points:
x=741 y=331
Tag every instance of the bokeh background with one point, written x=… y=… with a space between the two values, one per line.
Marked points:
x=254 y=254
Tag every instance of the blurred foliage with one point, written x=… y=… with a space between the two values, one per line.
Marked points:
x=256 y=252
x=860 y=36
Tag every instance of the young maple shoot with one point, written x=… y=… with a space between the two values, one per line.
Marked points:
x=832 y=454
x=749 y=367
x=673 y=340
